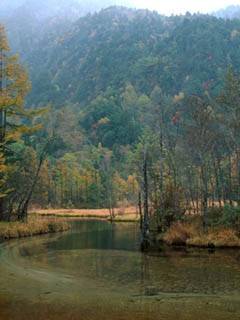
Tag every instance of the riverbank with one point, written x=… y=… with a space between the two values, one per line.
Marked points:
x=127 y=215
x=34 y=226
x=97 y=272
x=191 y=235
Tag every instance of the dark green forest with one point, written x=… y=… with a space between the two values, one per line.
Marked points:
x=118 y=46
x=113 y=93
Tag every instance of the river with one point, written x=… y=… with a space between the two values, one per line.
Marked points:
x=95 y=271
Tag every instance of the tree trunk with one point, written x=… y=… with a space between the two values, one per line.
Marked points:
x=145 y=231
x=217 y=180
x=140 y=210
x=204 y=196
x=23 y=207
x=230 y=181
x=238 y=177
x=4 y=215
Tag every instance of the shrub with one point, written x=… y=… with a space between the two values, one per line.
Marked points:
x=230 y=217
x=179 y=233
x=214 y=216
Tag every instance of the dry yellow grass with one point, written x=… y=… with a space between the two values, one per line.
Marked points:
x=221 y=238
x=126 y=214
x=191 y=235
x=179 y=233
x=35 y=226
x=127 y=217
x=101 y=213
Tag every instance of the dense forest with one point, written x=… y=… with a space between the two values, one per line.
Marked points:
x=120 y=99
x=118 y=46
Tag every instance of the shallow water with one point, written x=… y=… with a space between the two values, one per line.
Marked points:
x=95 y=271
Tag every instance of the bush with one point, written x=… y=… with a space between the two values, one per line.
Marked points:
x=227 y=217
x=230 y=217
x=214 y=216
x=179 y=233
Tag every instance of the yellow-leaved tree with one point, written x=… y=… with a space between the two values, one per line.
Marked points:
x=14 y=86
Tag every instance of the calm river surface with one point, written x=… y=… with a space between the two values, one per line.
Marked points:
x=95 y=271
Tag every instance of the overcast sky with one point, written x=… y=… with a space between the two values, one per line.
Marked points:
x=181 y=6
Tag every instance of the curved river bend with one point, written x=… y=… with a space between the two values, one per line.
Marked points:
x=95 y=271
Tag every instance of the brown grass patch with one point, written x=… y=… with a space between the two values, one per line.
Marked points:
x=127 y=217
x=191 y=234
x=179 y=233
x=34 y=226
x=85 y=213
x=221 y=238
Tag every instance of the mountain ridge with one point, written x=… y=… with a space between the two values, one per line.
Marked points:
x=230 y=12
x=75 y=61
x=119 y=45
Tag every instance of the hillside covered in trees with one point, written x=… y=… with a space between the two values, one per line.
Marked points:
x=231 y=12
x=124 y=89
x=118 y=46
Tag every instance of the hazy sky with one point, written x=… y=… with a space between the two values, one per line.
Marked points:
x=181 y=6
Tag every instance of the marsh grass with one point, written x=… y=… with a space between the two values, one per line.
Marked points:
x=179 y=233
x=218 y=238
x=129 y=214
x=190 y=234
x=34 y=226
x=127 y=217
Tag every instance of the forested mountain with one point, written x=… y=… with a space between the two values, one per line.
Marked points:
x=76 y=62
x=231 y=12
x=30 y=21
x=43 y=9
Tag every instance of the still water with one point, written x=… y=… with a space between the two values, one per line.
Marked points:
x=95 y=271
